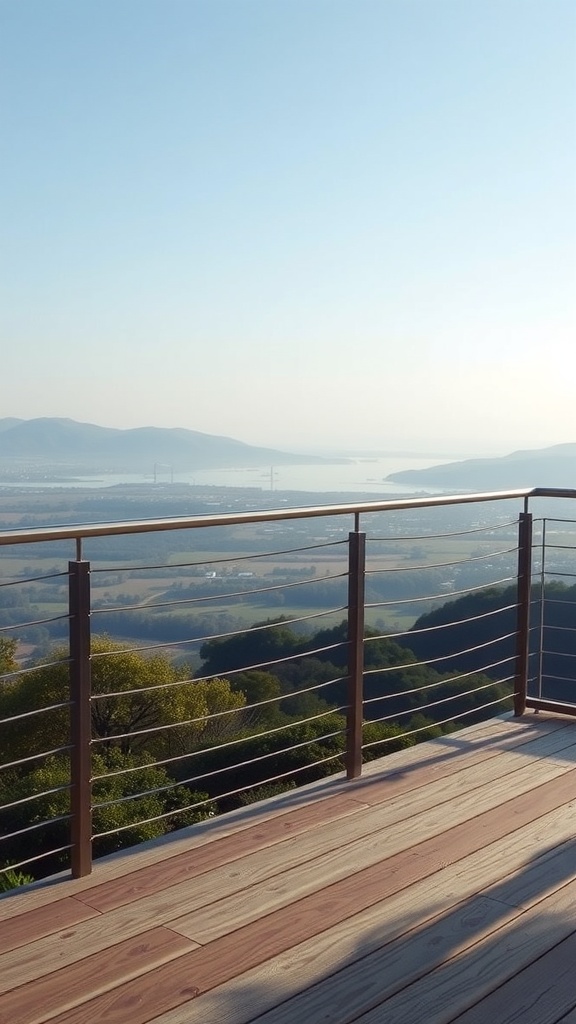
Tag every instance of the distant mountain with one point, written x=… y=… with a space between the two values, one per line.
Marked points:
x=8 y=422
x=542 y=467
x=59 y=443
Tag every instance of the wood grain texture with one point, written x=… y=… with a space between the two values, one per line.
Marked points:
x=480 y=928
x=539 y=994
x=428 y=756
x=154 y=851
x=174 y=870
x=308 y=963
x=446 y=992
x=541 y=839
x=65 y=988
x=422 y=834
x=64 y=913
x=412 y=893
x=241 y=950
x=62 y=949
x=454 y=759
x=568 y=1018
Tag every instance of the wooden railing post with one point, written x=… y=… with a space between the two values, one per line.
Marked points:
x=523 y=611
x=356 y=576
x=80 y=718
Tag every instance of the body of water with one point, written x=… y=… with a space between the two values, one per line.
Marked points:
x=359 y=475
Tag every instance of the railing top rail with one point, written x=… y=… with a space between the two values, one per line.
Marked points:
x=84 y=530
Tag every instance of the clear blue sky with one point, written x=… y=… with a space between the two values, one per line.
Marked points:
x=304 y=223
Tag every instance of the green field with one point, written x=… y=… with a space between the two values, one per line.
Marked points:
x=185 y=575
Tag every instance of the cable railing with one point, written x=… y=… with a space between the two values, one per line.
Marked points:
x=139 y=696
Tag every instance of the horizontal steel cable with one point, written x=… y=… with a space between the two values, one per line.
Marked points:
x=422 y=566
x=443 y=657
x=441 y=536
x=33 y=668
x=239 y=739
x=554 y=519
x=217 y=675
x=435 y=725
x=443 y=700
x=34 y=579
x=35 y=622
x=264 y=757
x=219 y=636
x=445 y=596
x=36 y=796
x=36 y=757
x=35 y=827
x=217 y=771
x=265 y=664
x=160 y=762
x=454 y=622
x=222 y=561
x=559 y=679
x=443 y=681
x=168 y=726
x=36 y=711
x=217 y=597
x=222 y=796
x=218 y=714
x=39 y=856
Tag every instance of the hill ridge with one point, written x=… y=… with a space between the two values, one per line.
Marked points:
x=554 y=466
x=64 y=441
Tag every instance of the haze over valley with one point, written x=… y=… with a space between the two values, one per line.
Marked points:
x=54 y=451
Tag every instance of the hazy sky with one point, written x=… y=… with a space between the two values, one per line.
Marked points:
x=303 y=223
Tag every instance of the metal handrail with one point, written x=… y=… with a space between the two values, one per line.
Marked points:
x=354 y=673
x=84 y=530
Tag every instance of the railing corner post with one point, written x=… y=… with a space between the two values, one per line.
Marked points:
x=523 y=611
x=356 y=578
x=80 y=719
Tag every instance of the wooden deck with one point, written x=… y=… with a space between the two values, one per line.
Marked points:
x=439 y=887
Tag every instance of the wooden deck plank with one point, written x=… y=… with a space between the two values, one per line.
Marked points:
x=442 y=851
x=568 y=1018
x=308 y=963
x=35 y=960
x=175 y=983
x=379 y=973
x=540 y=994
x=65 y=988
x=158 y=910
x=445 y=993
x=456 y=760
x=429 y=756
x=364 y=985
x=65 y=913
x=154 y=851
x=131 y=887
x=346 y=989
x=483 y=735
x=502 y=728
x=296 y=822
x=288 y=879
x=185 y=866
x=210 y=922
x=343 y=855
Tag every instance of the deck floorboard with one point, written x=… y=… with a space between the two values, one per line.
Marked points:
x=441 y=886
